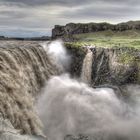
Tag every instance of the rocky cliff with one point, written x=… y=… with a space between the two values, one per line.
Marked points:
x=112 y=66
x=68 y=30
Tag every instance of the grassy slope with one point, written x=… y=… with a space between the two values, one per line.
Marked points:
x=130 y=38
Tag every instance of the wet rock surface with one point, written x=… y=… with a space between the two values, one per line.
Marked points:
x=79 y=137
x=114 y=66
x=8 y=132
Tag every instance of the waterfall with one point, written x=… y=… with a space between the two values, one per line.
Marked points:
x=87 y=67
x=69 y=108
x=23 y=72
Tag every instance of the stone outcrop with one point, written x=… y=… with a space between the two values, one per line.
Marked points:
x=66 y=32
x=77 y=56
x=79 y=137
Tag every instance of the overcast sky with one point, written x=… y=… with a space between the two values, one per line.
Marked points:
x=38 y=17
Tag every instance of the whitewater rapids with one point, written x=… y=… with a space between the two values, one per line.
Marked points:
x=24 y=69
x=71 y=107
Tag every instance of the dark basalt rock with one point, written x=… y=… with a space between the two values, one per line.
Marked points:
x=112 y=66
x=98 y=137
x=79 y=137
x=77 y=57
x=66 y=32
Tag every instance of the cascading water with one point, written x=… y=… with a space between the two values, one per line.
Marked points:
x=87 y=67
x=23 y=72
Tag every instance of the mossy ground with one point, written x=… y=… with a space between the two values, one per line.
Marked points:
x=130 y=38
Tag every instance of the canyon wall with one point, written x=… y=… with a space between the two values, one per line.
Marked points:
x=113 y=66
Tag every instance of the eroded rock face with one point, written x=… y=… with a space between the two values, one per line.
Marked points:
x=114 y=66
x=77 y=56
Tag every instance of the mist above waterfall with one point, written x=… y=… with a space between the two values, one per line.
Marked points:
x=71 y=107
x=58 y=52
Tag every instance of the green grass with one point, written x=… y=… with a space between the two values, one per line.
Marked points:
x=130 y=38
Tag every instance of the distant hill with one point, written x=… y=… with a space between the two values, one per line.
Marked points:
x=43 y=38
x=66 y=32
x=2 y=37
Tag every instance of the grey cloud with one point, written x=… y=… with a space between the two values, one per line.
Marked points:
x=66 y=2
x=47 y=2
x=13 y=14
x=100 y=12
x=29 y=23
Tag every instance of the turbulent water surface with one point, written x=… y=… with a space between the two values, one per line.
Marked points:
x=74 y=108
x=23 y=72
